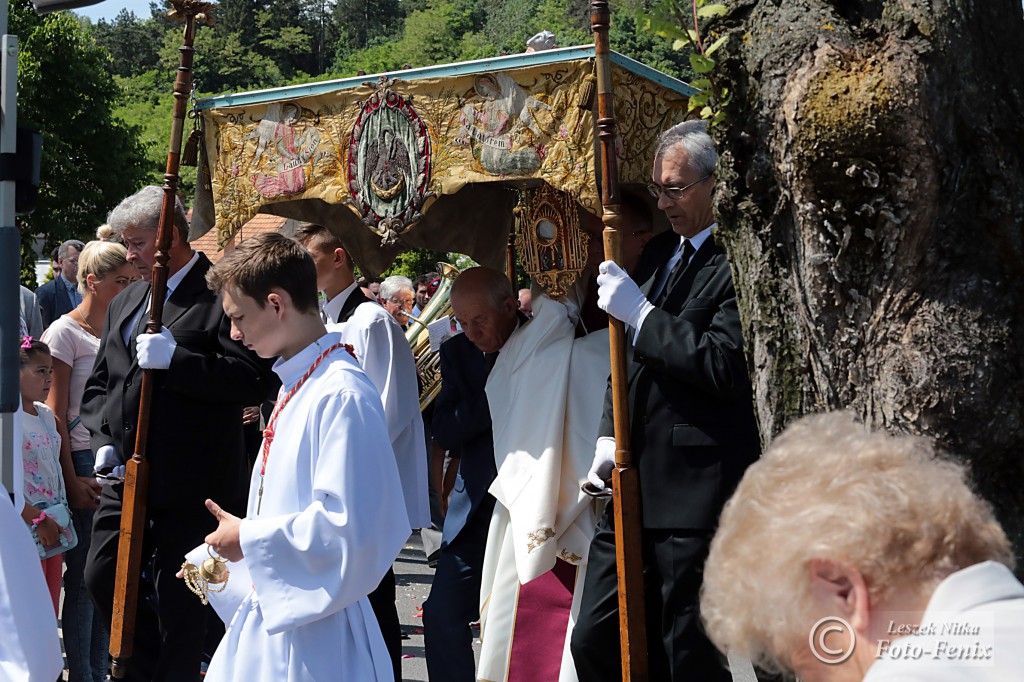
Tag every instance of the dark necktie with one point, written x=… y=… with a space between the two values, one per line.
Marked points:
x=677 y=270
x=489 y=360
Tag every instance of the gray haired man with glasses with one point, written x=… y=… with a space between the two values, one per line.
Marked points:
x=692 y=421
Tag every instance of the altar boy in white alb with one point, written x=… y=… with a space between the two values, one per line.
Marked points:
x=326 y=516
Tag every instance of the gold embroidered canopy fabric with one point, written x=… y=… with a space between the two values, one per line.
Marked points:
x=387 y=150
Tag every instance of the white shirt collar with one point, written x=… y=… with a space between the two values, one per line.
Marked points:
x=292 y=369
x=174 y=280
x=698 y=239
x=971 y=587
x=333 y=307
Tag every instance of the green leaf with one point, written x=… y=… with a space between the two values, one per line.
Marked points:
x=715 y=45
x=664 y=28
x=679 y=44
x=701 y=64
x=718 y=118
x=700 y=98
x=712 y=11
x=707 y=112
x=701 y=83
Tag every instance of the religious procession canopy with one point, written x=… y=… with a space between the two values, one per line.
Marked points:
x=427 y=158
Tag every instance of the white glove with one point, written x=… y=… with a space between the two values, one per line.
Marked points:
x=155 y=350
x=619 y=296
x=604 y=462
x=106 y=458
x=116 y=472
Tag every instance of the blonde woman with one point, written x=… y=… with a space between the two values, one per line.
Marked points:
x=74 y=339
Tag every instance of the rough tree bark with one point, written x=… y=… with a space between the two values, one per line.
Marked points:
x=872 y=193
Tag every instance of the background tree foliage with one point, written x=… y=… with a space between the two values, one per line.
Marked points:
x=91 y=158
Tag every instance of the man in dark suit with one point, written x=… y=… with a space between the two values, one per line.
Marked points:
x=692 y=424
x=195 y=447
x=485 y=305
x=60 y=295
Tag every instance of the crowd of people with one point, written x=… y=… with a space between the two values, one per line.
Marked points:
x=832 y=520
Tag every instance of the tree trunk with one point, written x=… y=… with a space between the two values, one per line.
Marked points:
x=871 y=192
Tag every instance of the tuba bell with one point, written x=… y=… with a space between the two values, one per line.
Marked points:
x=428 y=363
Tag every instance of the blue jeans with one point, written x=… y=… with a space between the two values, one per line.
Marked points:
x=86 y=636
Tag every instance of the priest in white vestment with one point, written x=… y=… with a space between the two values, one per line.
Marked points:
x=385 y=356
x=545 y=393
x=330 y=523
x=383 y=353
x=387 y=359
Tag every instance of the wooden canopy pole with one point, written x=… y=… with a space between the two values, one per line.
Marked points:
x=625 y=482
x=510 y=257
x=136 y=478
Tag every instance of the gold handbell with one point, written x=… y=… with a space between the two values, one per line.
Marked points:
x=213 y=571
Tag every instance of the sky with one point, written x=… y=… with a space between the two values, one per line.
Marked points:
x=109 y=9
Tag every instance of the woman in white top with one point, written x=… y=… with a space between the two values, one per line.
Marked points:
x=74 y=339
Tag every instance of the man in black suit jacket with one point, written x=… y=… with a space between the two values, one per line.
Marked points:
x=692 y=424
x=60 y=295
x=195 y=447
x=485 y=305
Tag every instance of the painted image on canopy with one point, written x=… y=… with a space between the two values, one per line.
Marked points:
x=501 y=124
x=286 y=145
x=388 y=162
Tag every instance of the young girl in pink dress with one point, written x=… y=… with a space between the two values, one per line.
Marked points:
x=40 y=452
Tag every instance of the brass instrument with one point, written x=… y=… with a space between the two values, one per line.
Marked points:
x=428 y=363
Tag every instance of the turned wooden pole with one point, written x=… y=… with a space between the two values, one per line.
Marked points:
x=136 y=478
x=625 y=481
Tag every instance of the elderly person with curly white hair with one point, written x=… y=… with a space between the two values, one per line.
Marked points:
x=851 y=555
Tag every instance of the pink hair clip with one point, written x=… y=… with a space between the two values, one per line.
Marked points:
x=26 y=343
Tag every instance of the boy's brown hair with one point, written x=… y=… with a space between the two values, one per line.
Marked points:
x=265 y=262
x=319 y=237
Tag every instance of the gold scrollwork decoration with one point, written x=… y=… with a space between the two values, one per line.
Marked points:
x=551 y=245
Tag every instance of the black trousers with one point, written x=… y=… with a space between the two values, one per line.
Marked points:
x=454 y=601
x=170 y=631
x=382 y=600
x=678 y=649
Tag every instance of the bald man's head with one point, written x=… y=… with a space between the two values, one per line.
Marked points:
x=526 y=302
x=485 y=305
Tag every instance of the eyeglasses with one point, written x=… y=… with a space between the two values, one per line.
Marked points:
x=672 y=193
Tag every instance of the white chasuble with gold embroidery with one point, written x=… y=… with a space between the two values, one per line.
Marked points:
x=545 y=395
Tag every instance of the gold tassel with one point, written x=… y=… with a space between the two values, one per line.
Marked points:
x=190 y=154
x=587 y=93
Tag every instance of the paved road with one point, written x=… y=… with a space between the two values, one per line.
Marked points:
x=414 y=578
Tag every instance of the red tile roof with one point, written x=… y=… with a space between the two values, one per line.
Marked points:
x=260 y=223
